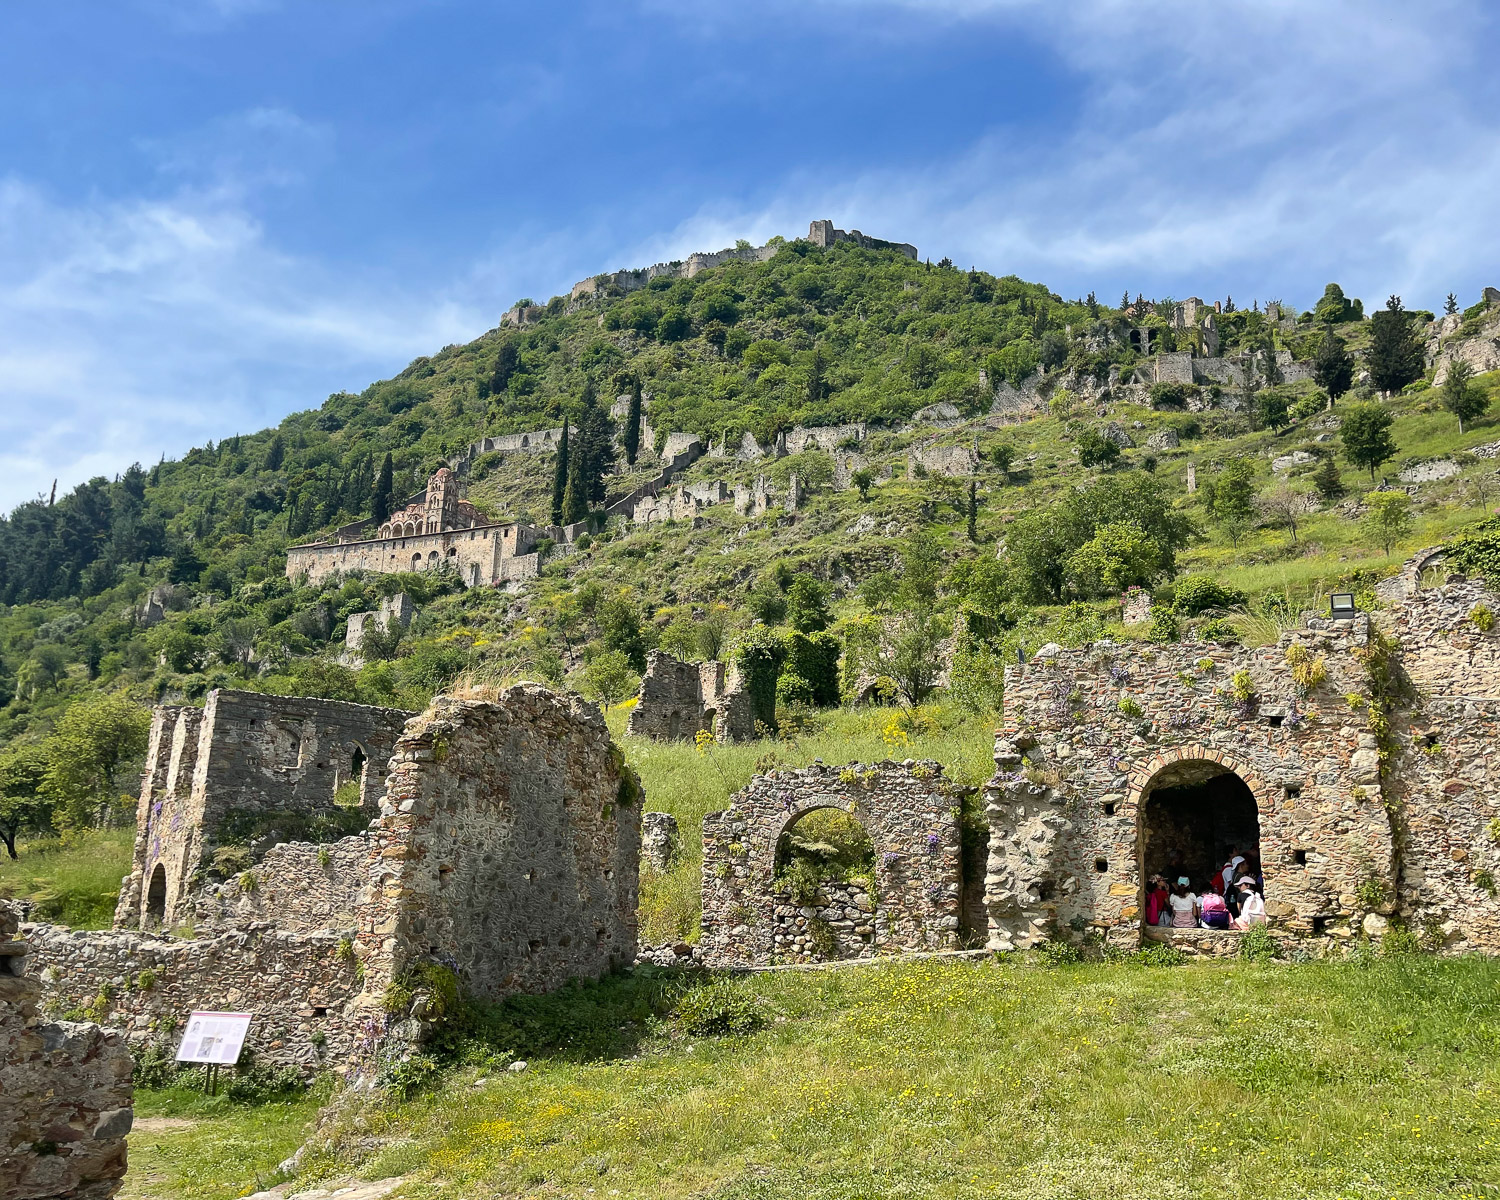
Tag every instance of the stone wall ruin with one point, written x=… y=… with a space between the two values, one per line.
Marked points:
x=910 y=816
x=677 y=699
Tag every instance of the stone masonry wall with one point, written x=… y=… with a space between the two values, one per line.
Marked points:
x=476 y=554
x=241 y=763
x=301 y=986
x=911 y=819
x=65 y=1096
x=507 y=847
x=1088 y=733
x=296 y=886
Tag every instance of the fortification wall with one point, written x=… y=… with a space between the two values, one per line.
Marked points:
x=508 y=847
x=909 y=815
x=300 y=985
x=297 y=887
x=65 y=1095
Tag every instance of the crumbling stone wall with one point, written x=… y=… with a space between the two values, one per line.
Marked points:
x=235 y=773
x=1354 y=831
x=301 y=986
x=65 y=1095
x=910 y=816
x=507 y=847
x=1089 y=734
x=477 y=554
x=677 y=699
x=296 y=886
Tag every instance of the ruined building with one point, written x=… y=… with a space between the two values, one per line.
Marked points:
x=677 y=699
x=65 y=1097
x=440 y=530
x=502 y=846
x=1116 y=763
x=822 y=233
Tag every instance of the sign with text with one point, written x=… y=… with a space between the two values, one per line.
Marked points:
x=215 y=1038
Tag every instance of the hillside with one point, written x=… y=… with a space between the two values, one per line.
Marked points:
x=969 y=386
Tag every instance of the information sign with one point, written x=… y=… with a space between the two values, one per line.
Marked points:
x=214 y=1038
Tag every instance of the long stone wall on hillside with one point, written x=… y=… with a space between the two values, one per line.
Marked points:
x=65 y=1095
x=910 y=817
x=507 y=847
x=476 y=554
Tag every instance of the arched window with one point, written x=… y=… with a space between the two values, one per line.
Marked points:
x=156 y=897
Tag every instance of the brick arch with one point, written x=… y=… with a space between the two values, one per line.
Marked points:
x=880 y=840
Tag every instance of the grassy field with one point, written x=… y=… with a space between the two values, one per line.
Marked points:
x=1366 y=1079
x=689 y=781
x=73 y=880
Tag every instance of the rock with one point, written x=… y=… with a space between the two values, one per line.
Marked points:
x=1164 y=439
x=114 y=1123
x=1488 y=450
x=941 y=413
x=517 y=1067
x=1115 y=432
x=1375 y=925
x=1429 y=472
x=660 y=840
x=864 y=523
x=1296 y=458
x=1050 y=650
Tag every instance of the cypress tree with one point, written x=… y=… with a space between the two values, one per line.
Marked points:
x=380 y=505
x=633 y=422
x=1395 y=355
x=575 y=502
x=1333 y=367
x=973 y=514
x=560 y=476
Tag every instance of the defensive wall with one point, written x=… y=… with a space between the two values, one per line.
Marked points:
x=486 y=554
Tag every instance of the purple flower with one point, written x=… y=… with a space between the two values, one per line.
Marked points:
x=933 y=843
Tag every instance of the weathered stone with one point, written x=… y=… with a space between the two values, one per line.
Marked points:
x=660 y=841
x=677 y=699
x=1164 y=439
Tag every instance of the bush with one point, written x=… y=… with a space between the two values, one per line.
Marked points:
x=718 y=1010
x=814 y=657
x=1172 y=395
x=1163 y=628
x=155 y=1066
x=1199 y=594
x=793 y=690
x=1257 y=945
x=1160 y=954
x=258 y=1083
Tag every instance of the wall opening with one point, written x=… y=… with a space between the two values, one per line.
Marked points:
x=1194 y=816
x=823 y=844
x=156 y=897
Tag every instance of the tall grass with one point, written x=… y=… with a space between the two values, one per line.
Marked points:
x=73 y=880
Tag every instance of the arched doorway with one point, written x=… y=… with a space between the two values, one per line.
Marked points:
x=1194 y=815
x=825 y=866
x=156 y=897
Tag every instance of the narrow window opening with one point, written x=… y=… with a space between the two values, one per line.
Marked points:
x=1109 y=808
x=1293 y=791
x=1320 y=925
x=320 y=1012
x=1299 y=857
x=1101 y=865
x=1275 y=720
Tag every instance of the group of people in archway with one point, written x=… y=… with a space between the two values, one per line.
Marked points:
x=1233 y=897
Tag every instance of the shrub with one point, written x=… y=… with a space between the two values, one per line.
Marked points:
x=1199 y=594
x=1219 y=630
x=155 y=1066
x=1257 y=945
x=1163 y=628
x=1482 y=618
x=793 y=690
x=815 y=658
x=1307 y=672
x=718 y=1010
x=1130 y=707
x=1160 y=954
x=1057 y=953
x=258 y=1083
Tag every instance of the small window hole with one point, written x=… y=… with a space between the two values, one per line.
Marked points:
x=1299 y=857
x=320 y=1012
x=1109 y=808
x=1293 y=791
x=1101 y=865
x=1320 y=925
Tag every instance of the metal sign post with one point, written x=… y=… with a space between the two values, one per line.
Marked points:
x=214 y=1040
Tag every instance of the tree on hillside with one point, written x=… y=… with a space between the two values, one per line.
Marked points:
x=1366 y=434
x=575 y=501
x=1461 y=396
x=1333 y=366
x=1094 y=449
x=1327 y=480
x=608 y=678
x=1229 y=497
x=807 y=605
x=971 y=516
x=1334 y=308
x=632 y=435
x=1388 y=517
x=24 y=807
x=592 y=451
x=275 y=452
x=92 y=740
x=1395 y=354
x=560 y=476
x=1284 y=507
x=863 y=480
x=1271 y=409
x=380 y=501
x=507 y=362
x=1450 y=305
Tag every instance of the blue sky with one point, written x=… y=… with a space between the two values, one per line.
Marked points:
x=215 y=212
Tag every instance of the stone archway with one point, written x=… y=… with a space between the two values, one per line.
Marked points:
x=1194 y=807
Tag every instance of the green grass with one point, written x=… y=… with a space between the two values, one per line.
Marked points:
x=208 y=1148
x=1368 y=1079
x=688 y=782
x=73 y=880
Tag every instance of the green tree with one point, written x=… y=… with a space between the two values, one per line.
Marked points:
x=620 y=629
x=863 y=479
x=1003 y=455
x=24 y=804
x=92 y=740
x=1327 y=480
x=807 y=605
x=1284 y=507
x=713 y=629
x=1450 y=305
x=1334 y=308
x=1094 y=449
x=560 y=478
x=275 y=452
x=1461 y=396
x=1366 y=433
x=1117 y=556
x=608 y=678
x=632 y=435
x=43 y=670
x=1388 y=517
x=380 y=501
x=1271 y=409
x=1333 y=366
x=1229 y=497
x=1395 y=354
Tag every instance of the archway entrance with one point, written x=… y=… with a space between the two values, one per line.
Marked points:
x=1193 y=816
x=824 y=865
x=156 y=897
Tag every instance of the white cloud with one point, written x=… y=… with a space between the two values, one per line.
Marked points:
x=141 y=328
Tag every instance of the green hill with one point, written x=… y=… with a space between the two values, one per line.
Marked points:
x=1061 y=518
